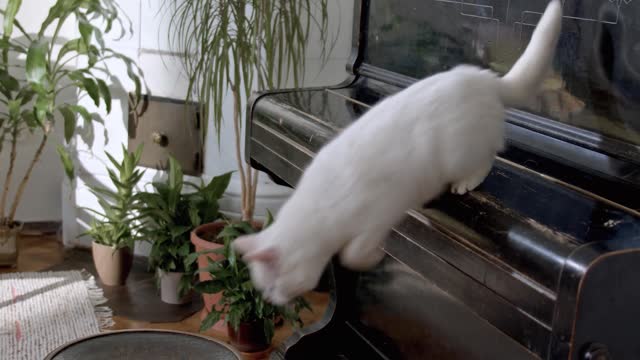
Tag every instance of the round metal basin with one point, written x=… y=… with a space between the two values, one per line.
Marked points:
x=145 y=344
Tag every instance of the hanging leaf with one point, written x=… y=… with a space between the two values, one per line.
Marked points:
x=106 y=94
x=36 y=67
x=69 y=122
x=67 y=163
x=9 y=16
x=86 y=31
x=83 y=112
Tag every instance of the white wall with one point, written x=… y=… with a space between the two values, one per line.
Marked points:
x=163 y=74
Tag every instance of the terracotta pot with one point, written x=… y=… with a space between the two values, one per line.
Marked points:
x=170 y=288
x=202 y=238
x=9 y=244
x=113 y=265
x=249 y=337
x=199 y=238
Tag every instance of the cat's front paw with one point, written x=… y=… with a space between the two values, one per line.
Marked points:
x=466 y=186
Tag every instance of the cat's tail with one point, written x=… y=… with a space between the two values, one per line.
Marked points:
x=523 y=81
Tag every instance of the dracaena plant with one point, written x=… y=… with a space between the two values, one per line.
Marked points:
x=240 y=46
x=172 y=211
x=35 y=68
x=241 y=302
x=117 y=225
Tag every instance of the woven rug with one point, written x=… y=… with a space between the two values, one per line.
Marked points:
x=41 y=311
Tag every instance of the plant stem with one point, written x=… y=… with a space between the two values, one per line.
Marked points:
x=27 y=175
x=236 y=124
x=7 y=182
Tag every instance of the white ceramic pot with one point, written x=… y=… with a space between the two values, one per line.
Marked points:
x=169 y=288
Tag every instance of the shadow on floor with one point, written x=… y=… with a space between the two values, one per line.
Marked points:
x=137 y=300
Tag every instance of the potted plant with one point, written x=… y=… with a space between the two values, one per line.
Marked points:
x=34 y=70
x=170 y=214
x=115 y=229
x=249 y=317
x=206 y=241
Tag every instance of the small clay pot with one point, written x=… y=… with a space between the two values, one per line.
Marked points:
x=170 y=288
x=113 y=265
x=249 y=337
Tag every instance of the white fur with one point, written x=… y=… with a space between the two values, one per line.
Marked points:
x=443 y=131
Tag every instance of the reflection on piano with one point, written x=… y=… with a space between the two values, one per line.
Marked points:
x=540 y=262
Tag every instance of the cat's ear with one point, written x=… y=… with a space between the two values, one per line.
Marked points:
x=249 y=246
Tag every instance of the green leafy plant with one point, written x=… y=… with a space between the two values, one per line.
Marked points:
x=118 y=225
x=240 y=301
x=236 y=46
x=171 y=213
x=30 y=89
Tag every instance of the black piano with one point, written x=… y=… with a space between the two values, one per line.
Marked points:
x=542 y=261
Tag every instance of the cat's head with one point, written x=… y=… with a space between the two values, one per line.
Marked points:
x=264 y=263
x=279 y=279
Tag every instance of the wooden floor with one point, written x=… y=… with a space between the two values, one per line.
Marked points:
x=47 y=253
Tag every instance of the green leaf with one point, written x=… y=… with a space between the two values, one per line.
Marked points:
x=212 y=318
x=106 y=95
x=9 y=16
x=210 y=287
x=184 y=249
x=86 y=30
x=82 y=111
x=67 y=163
x=8 y=84
x=36 y=67
x=77 y=45
x=229 y=232
x=218 y=185
x=179 y=230
x=69 y=122
x=92 y=89
x=190 y=260
x=41 y=108
x=269 y=220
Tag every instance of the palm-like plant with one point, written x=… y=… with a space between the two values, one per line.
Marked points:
x=117 y=225
x=238 y=45
x=30 y=92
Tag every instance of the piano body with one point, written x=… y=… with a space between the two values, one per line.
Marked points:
x=541 y=261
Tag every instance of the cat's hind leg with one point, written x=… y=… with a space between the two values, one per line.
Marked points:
x=363 y=252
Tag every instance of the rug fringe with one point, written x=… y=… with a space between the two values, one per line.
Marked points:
x=104 y=314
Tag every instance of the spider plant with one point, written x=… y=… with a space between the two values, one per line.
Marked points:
x=240 y=46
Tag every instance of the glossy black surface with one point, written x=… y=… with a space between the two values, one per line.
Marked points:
x=533 y=261
x=596 y=78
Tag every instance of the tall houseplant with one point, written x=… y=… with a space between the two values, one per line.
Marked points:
x=30 y=89
x=115 y=229
x=170 y=213
x=240 y=46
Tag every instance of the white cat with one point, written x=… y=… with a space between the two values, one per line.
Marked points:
x=442 y=131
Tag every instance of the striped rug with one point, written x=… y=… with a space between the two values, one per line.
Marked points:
x=41 y=311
